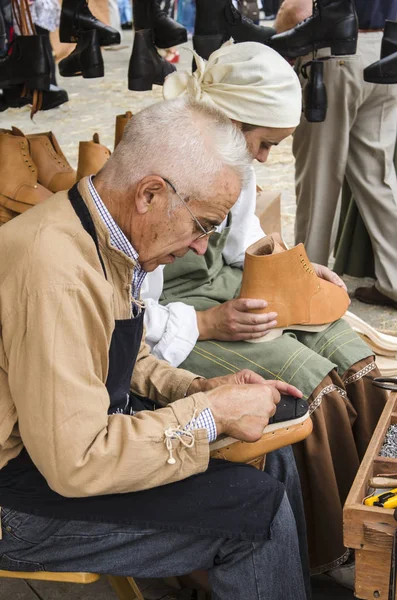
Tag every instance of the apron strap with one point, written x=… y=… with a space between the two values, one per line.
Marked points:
x=83 y=213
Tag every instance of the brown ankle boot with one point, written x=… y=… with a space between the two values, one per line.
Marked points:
x=121 y=122
x=289 y=284
x=92 y=157
x=19 y=187
x=54 y=171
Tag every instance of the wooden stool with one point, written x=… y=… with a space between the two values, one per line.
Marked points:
x=124 y=587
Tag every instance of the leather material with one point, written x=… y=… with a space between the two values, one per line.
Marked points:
x=389 y=40
x=315 y=94
x=54 y=171
x=86 y=59
x=205 y=45
x=288 y=409
x=167 y=32
x=371 y=295
x=334 y=24
x=290 y=286
x=146 y=66
x=3 y=33
x=383 y=70
x=247 y=452
x=19 y=187
x=121 y=122
x=27 y=64
x=92 y=157
x=52 y=98
x=76 y=17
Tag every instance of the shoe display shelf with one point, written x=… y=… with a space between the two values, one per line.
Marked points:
x=370 y=529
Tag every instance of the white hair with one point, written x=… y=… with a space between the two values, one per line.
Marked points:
x=187 y=142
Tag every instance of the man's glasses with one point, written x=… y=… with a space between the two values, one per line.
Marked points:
x=206 y=232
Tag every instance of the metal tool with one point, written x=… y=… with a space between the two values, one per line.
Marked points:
x=387 y=383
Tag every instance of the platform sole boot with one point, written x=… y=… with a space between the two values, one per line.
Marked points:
x=27 y=64
x=333 y=24
x=146 y=67
x=86 y=59
x=76 y=18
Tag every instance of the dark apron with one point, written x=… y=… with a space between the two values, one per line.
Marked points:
x=228 y=500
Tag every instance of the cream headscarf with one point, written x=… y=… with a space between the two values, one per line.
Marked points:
x=249 y=82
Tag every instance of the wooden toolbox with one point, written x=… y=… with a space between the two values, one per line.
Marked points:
x=369 y=529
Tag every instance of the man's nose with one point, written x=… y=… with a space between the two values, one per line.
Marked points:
x=262 y=155
x=200 y=245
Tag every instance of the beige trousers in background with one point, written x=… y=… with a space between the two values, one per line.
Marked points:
x=357 y=139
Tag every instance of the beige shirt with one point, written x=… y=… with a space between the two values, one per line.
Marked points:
x=57 y=315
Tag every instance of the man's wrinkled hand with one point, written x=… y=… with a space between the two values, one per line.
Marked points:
x=328 y=275
x=233 y=321
x=244 y=377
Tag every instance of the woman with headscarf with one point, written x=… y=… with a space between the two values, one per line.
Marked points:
x=194 y=319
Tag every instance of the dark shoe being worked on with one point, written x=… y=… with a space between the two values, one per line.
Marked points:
x=334 y=25
x=76 y=17
x=52 y=98
x=146 y=66
x=371 y=295
x=86 y=59
x=28 y=63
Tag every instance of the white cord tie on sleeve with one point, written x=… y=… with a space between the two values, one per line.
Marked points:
x=185 y=437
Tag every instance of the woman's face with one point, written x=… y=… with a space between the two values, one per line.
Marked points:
x=261 y=139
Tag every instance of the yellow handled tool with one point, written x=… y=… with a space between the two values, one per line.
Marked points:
x=385 y=499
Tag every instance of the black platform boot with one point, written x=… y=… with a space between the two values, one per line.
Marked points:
x=385 y=69
x=86 y=59
x=167 y=32
x=27 y=64
x=217 y=21
x=333 y=24
x=146 y=66
x=76 y=17
x=3 y=34
x=315 y=94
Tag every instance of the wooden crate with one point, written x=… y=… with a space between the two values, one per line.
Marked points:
x=370 y=529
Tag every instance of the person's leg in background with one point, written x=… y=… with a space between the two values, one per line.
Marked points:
x=114 y=15
x=321 y=151
x=371 y=172
x=125 y=10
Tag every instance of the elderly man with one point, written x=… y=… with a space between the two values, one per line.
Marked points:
x=201 y=325
x=92 y=477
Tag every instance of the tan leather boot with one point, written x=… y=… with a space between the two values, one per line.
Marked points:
x=54 y=171
x=121 y=122
x=288 y=282
x=6 y=215
x=92 y=157
x=19 y=188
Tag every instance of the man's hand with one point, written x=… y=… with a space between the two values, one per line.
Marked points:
x=232 y=321
x=244 y=377
x=243 y=411
x=328 y=275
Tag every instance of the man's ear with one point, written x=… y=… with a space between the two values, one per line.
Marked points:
x=147 y=192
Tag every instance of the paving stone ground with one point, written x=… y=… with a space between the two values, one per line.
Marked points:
x=93 y=107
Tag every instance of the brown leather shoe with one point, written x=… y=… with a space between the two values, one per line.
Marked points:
x=289 y=284
x=92 y=157
x=54 y=171
x=19 y=187
x=371 y=295
x=121 y=122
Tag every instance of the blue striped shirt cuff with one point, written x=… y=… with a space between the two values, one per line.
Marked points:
x=205 y=420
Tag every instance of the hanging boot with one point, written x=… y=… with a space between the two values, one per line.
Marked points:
x=19 y=187
x=146 y=66
x=76 y=17
x=53 y=170
x=27 y=64
x=3 y=34
x=52 y=98
x=86 y=59
x=92 y=157
x=289 y=284
x=333 y=24
x=121 y=122
x=167 y=32
x=315 y=94
x=385 y=69
x=217 y=21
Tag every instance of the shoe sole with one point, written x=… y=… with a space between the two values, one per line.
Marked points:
x=273 y=438
x=381 y=80
x=383 y=340
x=338 y=48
